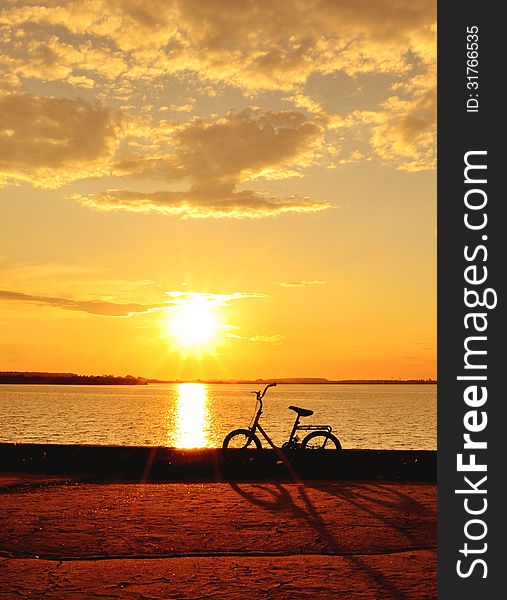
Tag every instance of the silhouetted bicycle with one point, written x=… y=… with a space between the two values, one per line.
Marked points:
x=238 y=440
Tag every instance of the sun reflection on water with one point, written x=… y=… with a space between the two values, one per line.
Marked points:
x=193 y=417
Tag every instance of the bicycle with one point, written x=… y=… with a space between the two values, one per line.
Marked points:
x=320 y=437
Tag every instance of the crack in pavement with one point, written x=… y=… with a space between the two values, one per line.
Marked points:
x=99 y=557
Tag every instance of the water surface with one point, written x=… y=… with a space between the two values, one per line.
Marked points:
x=194 y=415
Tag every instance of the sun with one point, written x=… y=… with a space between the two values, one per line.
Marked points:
x=194 y=324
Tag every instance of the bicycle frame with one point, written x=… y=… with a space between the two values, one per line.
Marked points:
x=256 y=425
x=296 y=427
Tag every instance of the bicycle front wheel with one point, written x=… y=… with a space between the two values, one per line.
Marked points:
x=321 y=440
x=239 y=445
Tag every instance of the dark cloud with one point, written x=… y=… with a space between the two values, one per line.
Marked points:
x=215 y=157
x=94 y=307
x=49 y=141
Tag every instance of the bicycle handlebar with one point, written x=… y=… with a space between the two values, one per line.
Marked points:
x=267 y=387
x=261 y=396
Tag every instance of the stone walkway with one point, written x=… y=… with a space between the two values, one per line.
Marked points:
x=186 y=541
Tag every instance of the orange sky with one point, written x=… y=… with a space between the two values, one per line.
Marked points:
x=273 y=162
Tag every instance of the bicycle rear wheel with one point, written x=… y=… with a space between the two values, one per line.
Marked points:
x=321 y=440
x=240 y=445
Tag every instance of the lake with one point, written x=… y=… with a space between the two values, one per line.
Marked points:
x=196 y=415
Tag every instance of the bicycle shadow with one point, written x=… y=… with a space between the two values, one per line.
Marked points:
x=280 y=500
x=364 y=496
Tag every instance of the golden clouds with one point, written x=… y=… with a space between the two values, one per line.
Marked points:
x=50 y=141
x=235 y=148
x=278 y=45
x=192 y=204
x=404 y=133
x=163 y=60
x=216 y=156
x=252 y=45
x=401 y=133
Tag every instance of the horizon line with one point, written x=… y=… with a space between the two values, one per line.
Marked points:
x=281 y=380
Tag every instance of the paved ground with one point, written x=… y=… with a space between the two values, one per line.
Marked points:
x=269 y=540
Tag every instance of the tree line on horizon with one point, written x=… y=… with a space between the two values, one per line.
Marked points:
x=29 y=377
x=68 y=379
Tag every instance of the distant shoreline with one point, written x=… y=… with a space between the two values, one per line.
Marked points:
x=35 y=378
x=310 y=382
x=67 y=379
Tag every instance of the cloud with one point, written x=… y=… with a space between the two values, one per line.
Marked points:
x=234 y=205
x=117 y=50
x=50 y=141
x=214 y=299
x=216 y=156
x=258 y=339
x=94 y=307
x=117 y=309
x=83 y=280
x=303 y=283
x=184 y=107
x=267 y=339
x=42 y=55
x=404 y=133
x=256 y=45
x=237 y=147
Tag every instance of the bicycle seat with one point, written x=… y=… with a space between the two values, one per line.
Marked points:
x=302 y=412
